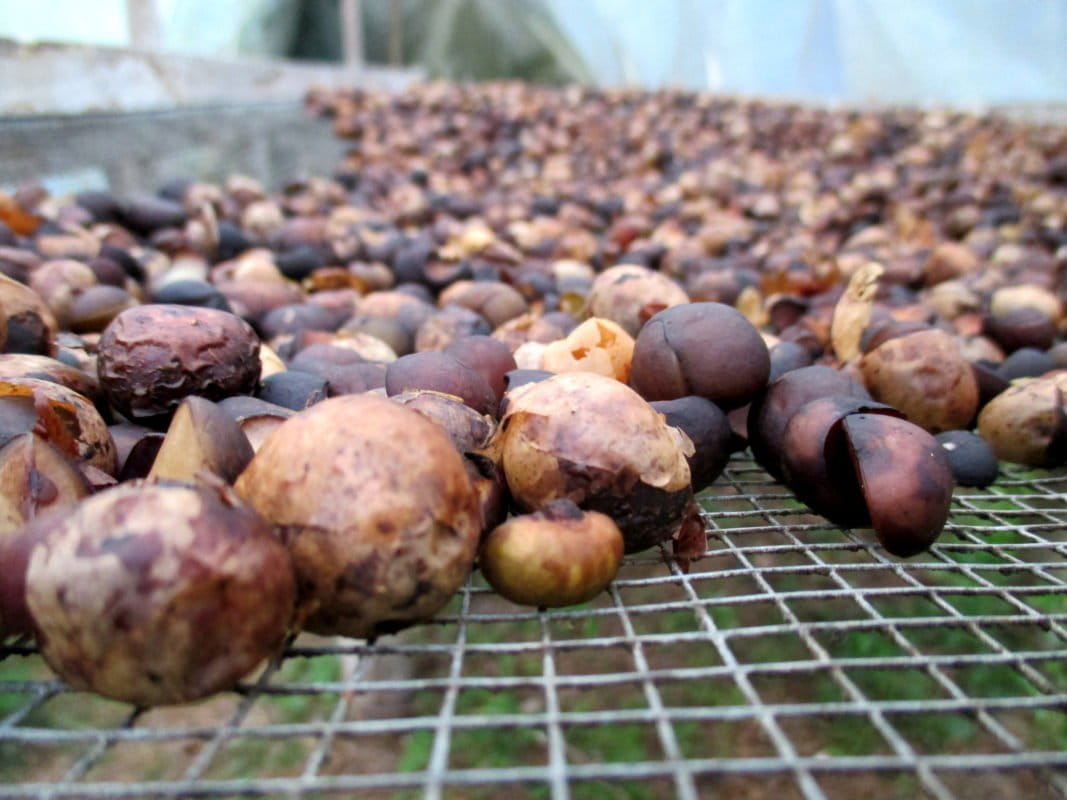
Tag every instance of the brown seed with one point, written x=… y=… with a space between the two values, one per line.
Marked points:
x=815 y=461
x=61 y=416
x=1027 y=422
x=158 y=594
x=27 y=365
x=487 y=356
x=949 y=261
x=252 y=299
x=704 y=349
x=93 y=309
x=532 y=328
x=344 y=369
x=496 y=302
x=559 y=556
x=137 y=448
x=772 y=409
x=440 y=372
x=1025 y=326
x=630 y=294
x=468 y=430
x=377 y=509
x=1011 y=298
x=390 y=331
x=202 y=438
x=709 y=431
x=447 y=325
x=35 y=478
x=905 y=478
x=31 y=326
x=593 y=440
x=257 y=418
x=408 y=311
x=59 y=282
x=152 y=356
x=924 y=375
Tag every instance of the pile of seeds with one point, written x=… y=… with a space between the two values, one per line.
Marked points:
x=518 y=328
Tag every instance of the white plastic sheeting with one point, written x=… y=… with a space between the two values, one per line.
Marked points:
x=99 y=22
x=210 y=28
x=957 y=52
x=952 y=52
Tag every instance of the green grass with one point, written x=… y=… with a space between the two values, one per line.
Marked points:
x=14 y=669
x=304 y=707
x=416 y=753
x=491 y=746
x=260 y=757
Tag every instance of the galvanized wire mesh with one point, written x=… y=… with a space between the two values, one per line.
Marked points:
x=792 y=660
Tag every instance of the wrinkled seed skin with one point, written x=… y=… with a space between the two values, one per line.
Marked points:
x=490 y=488
x=591 y=439
x=597 y=345
x=924 y=375
x=623 y=292
x=905 y=478
x=709 y=431
x=376 y=507
x=468 y=430
x=153 y=356
x=647 y=515
x=158 y=594
x=550 y=562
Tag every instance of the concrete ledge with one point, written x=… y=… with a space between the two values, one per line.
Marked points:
x=138 y=151
x=48 y=78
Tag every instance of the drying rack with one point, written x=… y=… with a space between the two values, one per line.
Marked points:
x=792 y=660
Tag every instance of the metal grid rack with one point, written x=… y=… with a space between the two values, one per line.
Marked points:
x=792 y=660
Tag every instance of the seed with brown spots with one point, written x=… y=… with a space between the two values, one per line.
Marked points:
x=158 y=594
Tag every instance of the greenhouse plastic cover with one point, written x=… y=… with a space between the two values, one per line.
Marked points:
x=958 y=52
x=968 y=53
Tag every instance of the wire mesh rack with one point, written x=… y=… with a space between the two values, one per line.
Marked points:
x=792 y=660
